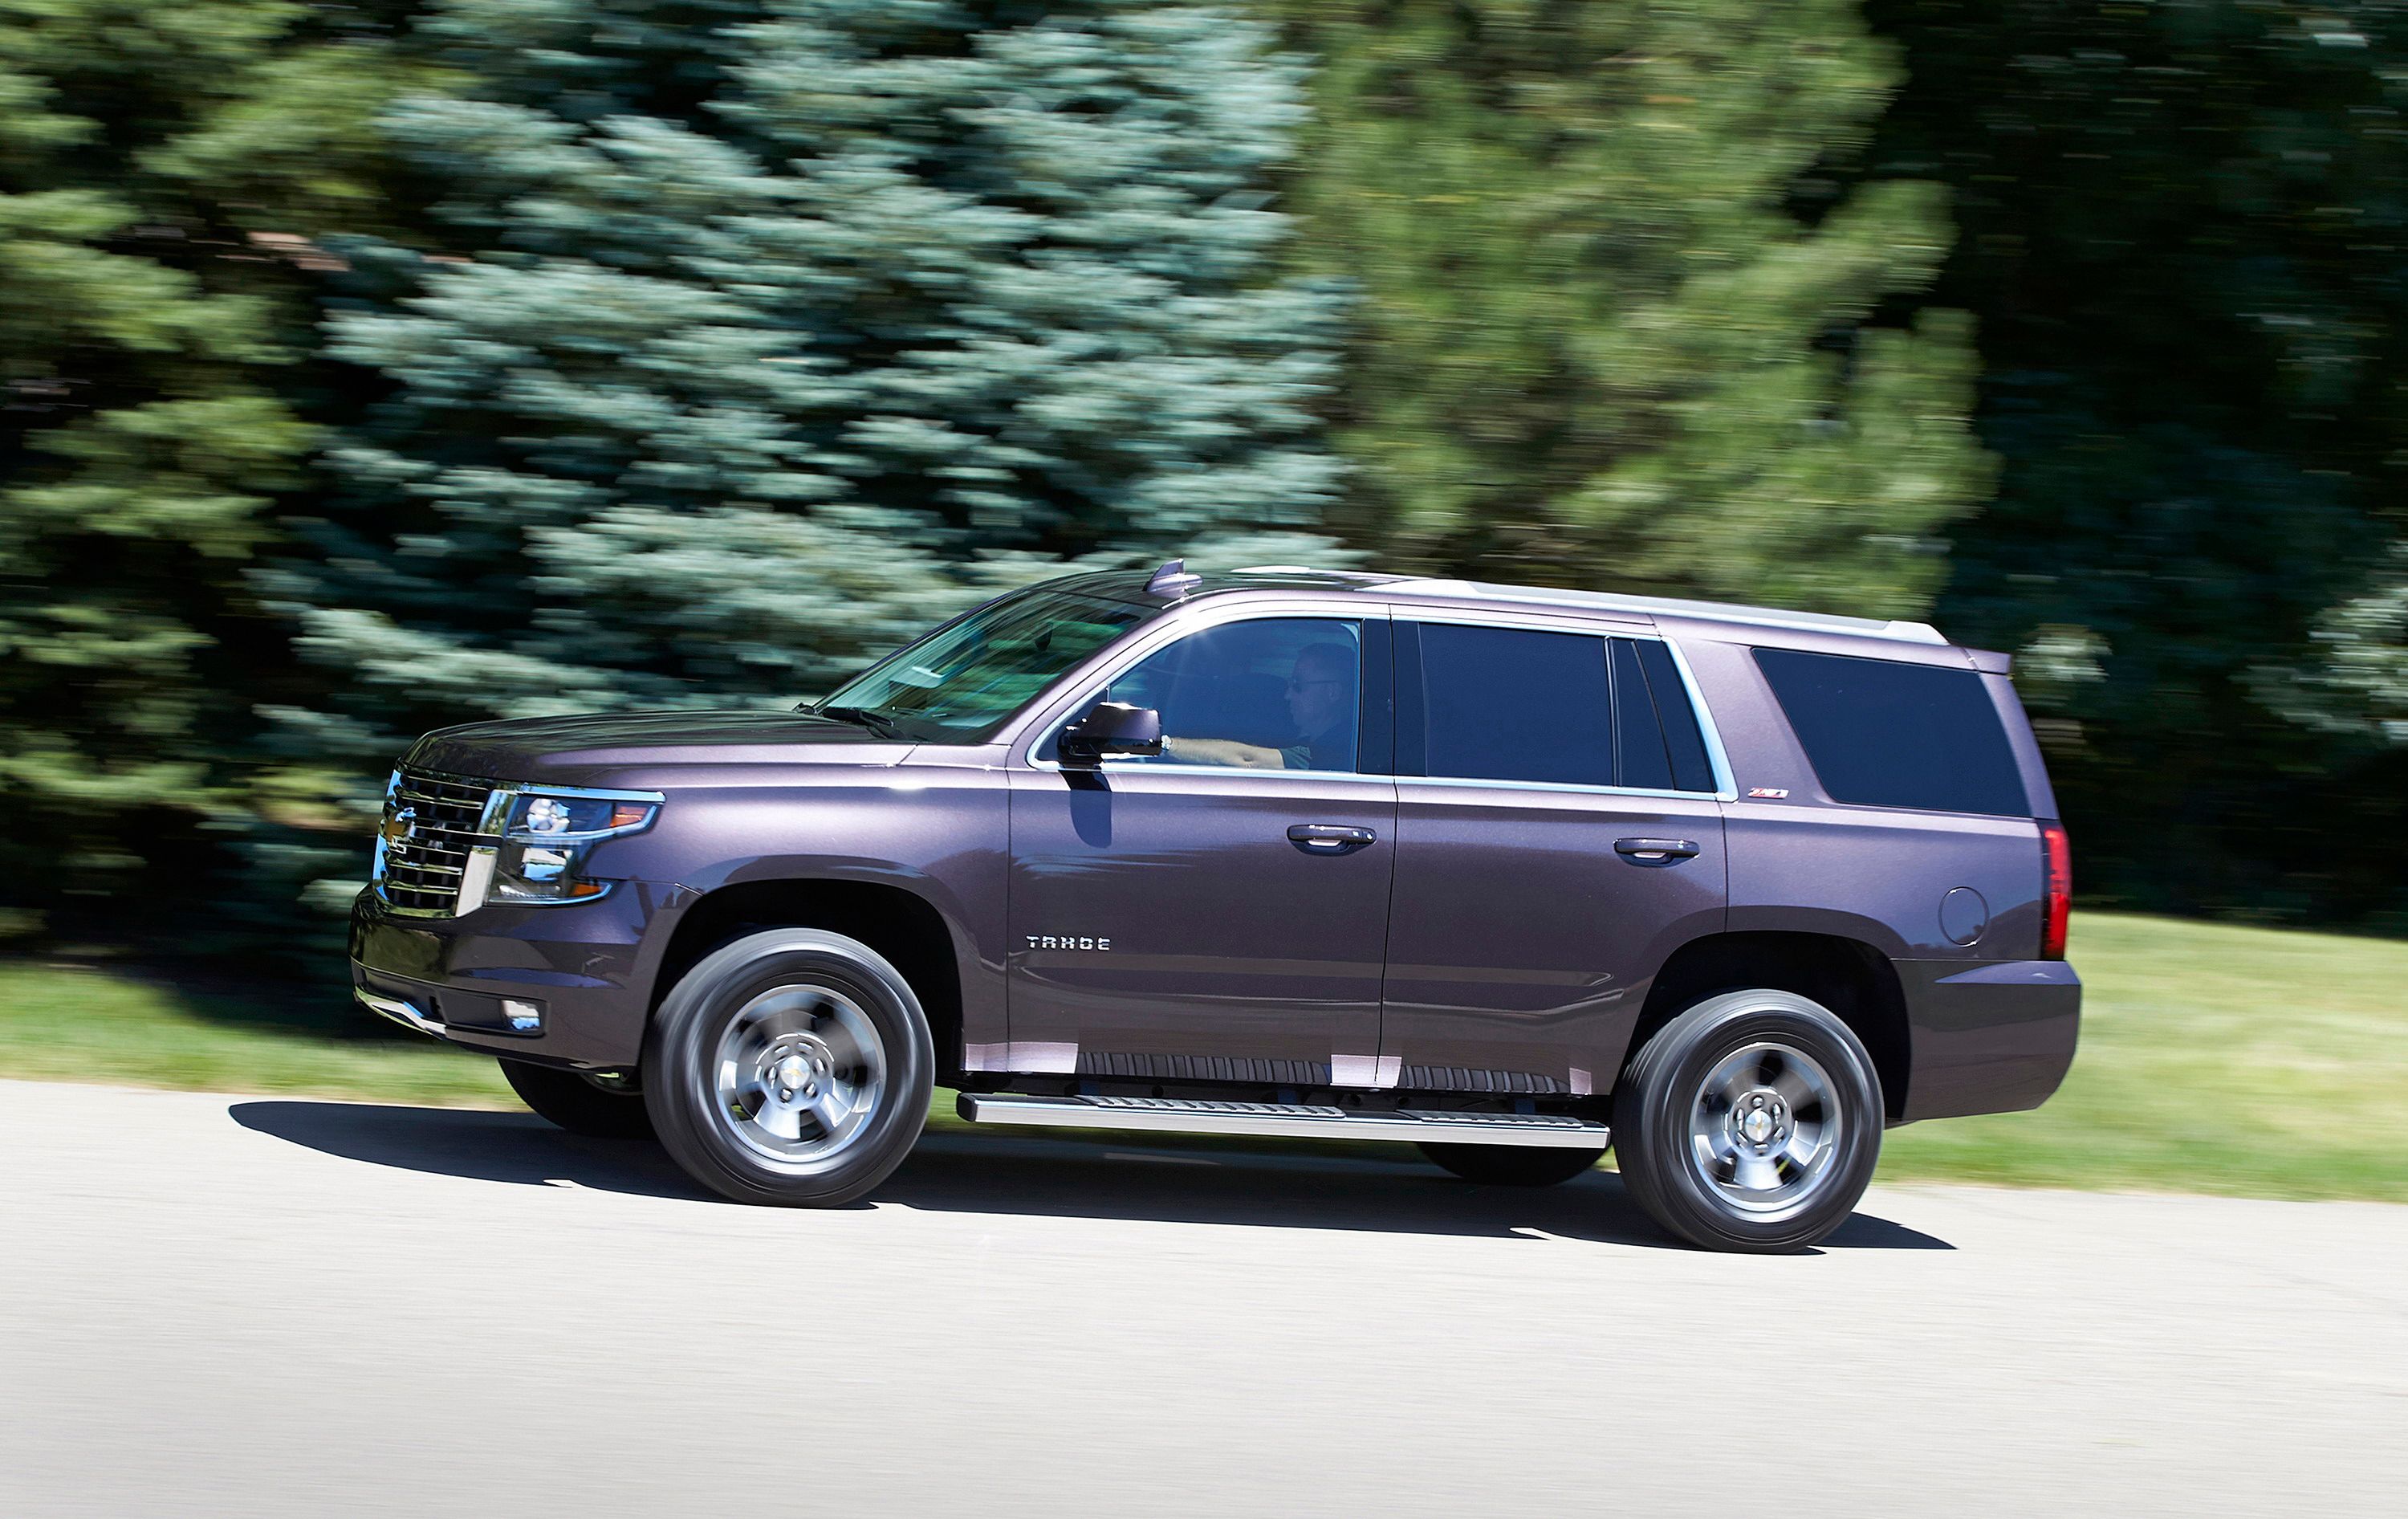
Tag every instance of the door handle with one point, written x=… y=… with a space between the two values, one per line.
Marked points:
x=1328 y=837
x=1656 y=851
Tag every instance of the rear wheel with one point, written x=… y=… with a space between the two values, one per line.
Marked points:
x=606 y=1107
x=792 y=1066
x=1750 y=1123
x=1513 y=1166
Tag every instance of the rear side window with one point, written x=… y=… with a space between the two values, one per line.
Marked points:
x=1887 y=734
x=1550 y=709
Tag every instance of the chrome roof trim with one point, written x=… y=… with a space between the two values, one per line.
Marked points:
x=1651 y=607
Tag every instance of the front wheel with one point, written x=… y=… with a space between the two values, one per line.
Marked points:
x=792 y=1066
x=1750 y=1123
x=1514 y=1166
x=603 y=1107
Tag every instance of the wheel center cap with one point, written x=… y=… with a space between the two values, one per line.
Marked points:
x=794 y=1074
x=1760 y=1118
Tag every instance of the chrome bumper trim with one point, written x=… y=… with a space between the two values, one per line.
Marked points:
x=1179 y=1115
x=398 y=1010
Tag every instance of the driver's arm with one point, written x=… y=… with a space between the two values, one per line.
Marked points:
x=1225 y=751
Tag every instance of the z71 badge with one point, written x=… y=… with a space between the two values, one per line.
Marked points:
x=1049 y=941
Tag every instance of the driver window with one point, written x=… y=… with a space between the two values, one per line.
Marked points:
x=1282 y=694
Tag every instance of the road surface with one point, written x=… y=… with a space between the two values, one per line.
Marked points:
x=215 y=1305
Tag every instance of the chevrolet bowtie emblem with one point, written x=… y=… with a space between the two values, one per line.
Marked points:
x=402 y=827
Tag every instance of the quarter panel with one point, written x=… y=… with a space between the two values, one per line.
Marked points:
x=1883 y=876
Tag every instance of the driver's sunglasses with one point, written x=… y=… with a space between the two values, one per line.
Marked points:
x=1295 y=685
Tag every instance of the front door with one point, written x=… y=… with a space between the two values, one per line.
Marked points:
x=1220 y=913
x=1558 y=835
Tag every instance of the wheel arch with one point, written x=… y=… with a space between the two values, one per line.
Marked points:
x=1852 y=978
x=910 y=931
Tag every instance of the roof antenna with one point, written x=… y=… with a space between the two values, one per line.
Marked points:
x=1172 y=580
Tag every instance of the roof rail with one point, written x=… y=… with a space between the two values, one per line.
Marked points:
x=1611 y=601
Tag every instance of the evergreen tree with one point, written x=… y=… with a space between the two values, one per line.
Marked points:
x=150 y=315
x=1619 y=326
x=754 y=337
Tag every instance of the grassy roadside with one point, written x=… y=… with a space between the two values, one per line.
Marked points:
x=64 y=1023
x=2242 y=1061
x=2253 y=1062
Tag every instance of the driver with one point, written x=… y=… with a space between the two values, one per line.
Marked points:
x=1321 y=702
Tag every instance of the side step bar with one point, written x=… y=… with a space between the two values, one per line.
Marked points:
x=1183 y=1115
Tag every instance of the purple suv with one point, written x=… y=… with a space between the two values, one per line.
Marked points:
x=1499 y=871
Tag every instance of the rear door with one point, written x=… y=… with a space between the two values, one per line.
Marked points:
x=1558 y=833
x=1219 y=913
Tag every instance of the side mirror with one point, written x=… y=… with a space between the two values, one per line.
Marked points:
x=1111 y=727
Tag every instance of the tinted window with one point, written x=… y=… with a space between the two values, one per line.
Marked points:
x=1887 y=734
x=1503 y=704
x=1278 y=694
x=1682 y=743
x=1637 y=732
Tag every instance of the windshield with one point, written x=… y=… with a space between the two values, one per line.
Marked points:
x=961 y=682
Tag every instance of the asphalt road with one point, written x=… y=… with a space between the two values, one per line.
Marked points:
x=218 y=1305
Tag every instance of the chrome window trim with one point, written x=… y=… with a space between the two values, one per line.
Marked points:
x=1572 y=620
x=1572 y=786
x=1616 y=604
x=1168 y=631
x=1140 y=768
x=1717 y=757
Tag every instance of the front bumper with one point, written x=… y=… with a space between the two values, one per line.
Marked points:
x=1993 y=1038
x=587 y=967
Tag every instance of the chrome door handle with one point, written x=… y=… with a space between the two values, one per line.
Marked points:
x=1656 y=851
x=1328 y=837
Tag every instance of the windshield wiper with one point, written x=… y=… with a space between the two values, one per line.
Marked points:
x=876 y=721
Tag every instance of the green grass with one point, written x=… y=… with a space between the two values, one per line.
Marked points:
x=2247 y=1061
x=2257 y=1062
x=63 y=1023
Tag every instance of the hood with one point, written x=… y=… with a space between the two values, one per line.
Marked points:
x=573 y=751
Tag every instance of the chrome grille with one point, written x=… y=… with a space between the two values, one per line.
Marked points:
x=430 y=823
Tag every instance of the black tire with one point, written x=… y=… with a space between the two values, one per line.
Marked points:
x=1666 y=1085
x=1512 y=1165
x=576 y=1103
x=849 y=1020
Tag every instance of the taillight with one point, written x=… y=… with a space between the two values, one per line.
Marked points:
x=2057 y=902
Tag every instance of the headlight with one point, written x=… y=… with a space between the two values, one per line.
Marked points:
x=544 y=815
x=547 y=834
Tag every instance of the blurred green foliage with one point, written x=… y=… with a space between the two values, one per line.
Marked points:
x=374 y=364
x=1614 y=330
x=154 y=318
x=748 y=341
x=2184 y=228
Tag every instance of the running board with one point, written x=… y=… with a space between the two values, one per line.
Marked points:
x=1181 y=1115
